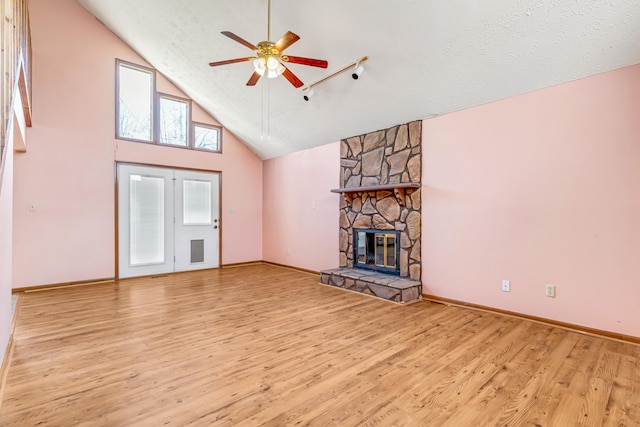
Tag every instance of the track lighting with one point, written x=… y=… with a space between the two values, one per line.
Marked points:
x=358 y=70
x=308 y=94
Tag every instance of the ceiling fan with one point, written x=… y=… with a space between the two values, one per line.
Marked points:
x=269 y=57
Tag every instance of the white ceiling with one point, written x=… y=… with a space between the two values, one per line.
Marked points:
x=426 y=57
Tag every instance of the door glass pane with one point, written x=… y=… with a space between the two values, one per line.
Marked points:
x=135 y=89
x=380 y=249
x=391 y=250
x=146 y=216
x=196 y=202
x=174 y=116
x=361 y=247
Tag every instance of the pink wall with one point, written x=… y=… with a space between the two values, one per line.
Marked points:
x=300 y=217
x=68 y=171
x=543 y=188
x=6 y=222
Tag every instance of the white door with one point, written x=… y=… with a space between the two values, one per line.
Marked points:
x=168 y=220
x=145 y=220
x=197 y=226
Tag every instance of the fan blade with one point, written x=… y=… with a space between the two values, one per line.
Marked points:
x=239 y=40
x=305 y=61
x=286 y=41
x=230 y=61
x=293 y=79
x=254 y=79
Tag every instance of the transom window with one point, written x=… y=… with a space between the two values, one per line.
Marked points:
x=206 y=137
x=144 y=115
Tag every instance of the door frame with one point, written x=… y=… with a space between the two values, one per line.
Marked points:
x=153 y=165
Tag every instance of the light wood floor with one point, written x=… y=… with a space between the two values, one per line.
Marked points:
x=263 y=345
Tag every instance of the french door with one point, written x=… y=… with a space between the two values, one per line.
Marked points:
x=168 y=220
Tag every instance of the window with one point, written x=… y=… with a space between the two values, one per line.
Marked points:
x=144 y=115
x=174 y=121
x=135 y=88
x=206 y=137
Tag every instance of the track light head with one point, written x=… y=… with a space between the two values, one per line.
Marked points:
x=358 y=70
x=308 y=94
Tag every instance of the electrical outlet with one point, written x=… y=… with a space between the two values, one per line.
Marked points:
x=506 y=285
x=550 y=291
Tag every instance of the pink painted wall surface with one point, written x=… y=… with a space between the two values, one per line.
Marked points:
x=69 y=169
x=543 y=188
x=6 y=257
x=300 y=217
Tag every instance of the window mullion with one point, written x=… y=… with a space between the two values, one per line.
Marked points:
x=156 y=117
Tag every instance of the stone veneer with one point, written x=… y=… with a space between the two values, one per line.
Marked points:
x=384 y=157
x=390 y=156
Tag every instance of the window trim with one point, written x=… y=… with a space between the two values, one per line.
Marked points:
x=120 y=62
x=157 y=112
x=209 y=126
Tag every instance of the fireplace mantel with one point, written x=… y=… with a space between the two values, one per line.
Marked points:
x=398 y=190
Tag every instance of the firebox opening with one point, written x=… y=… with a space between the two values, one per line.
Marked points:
x=377 y=250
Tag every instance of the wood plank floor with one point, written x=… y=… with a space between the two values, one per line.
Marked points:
x=263 y=345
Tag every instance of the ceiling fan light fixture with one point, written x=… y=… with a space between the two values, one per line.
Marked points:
x=274 y=68
x=269 y=56
x=272 y=63
x=259 y=65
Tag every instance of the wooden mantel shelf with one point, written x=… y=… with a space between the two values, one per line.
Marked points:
x=398 y=190
x=376 y=187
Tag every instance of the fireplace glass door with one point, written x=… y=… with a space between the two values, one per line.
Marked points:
x=377 y=250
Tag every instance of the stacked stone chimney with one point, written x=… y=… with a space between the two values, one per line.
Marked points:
x=385 y=157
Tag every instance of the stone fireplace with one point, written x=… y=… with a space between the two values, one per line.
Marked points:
x=380 y=179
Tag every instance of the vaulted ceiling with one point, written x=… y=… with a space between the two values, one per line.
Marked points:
x=426 y=57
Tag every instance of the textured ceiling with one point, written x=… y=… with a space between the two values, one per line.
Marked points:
x=426 y=57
